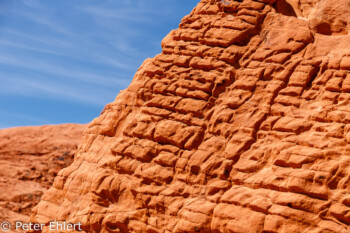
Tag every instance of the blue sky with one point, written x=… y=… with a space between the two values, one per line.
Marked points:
x=62 y=61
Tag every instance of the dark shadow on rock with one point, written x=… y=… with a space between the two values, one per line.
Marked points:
x=324 y=28
x=284 y=8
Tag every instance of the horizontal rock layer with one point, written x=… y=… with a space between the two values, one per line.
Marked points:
x=241 y=124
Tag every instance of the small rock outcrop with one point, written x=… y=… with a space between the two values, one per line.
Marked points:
x=30 y=158
x=241 y=124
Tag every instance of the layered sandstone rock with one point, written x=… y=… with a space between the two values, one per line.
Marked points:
x=240 y=125
x=30 y=158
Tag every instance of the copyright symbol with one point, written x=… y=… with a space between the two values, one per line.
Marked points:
x=5 y=226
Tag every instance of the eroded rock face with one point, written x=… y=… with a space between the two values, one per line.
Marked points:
x=30 y=158
x=327 y=17
x=240 y=125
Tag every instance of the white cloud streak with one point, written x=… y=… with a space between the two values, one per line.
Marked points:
x=54 y=69
x=25 y=117
x=55 y=90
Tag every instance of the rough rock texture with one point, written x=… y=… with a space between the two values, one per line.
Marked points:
x=240 y=125
x=30 y=158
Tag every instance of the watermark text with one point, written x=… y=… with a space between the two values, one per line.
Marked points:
x=52 y=226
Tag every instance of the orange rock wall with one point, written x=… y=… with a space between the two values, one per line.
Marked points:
x=240 y=125
x=30 y=158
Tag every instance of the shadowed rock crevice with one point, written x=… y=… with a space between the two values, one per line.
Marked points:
x=324 y=28
x=283 y=7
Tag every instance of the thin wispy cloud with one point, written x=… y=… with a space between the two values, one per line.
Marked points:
x=47 y=23
x=53 y=89
x=24 y=117
x=131 y=14
x=119 y=60
x=30 y=37
x=32 y=3
x=25 y=46
x=52 y=69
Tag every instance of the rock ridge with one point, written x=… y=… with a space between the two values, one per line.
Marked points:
x=241 y=124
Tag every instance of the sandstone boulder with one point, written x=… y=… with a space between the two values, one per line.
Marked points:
x=241 y=124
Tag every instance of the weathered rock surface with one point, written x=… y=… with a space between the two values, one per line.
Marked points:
x=240 y=125
x=30 y=158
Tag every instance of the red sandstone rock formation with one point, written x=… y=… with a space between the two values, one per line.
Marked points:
x=240 y=125
x=30 y=158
